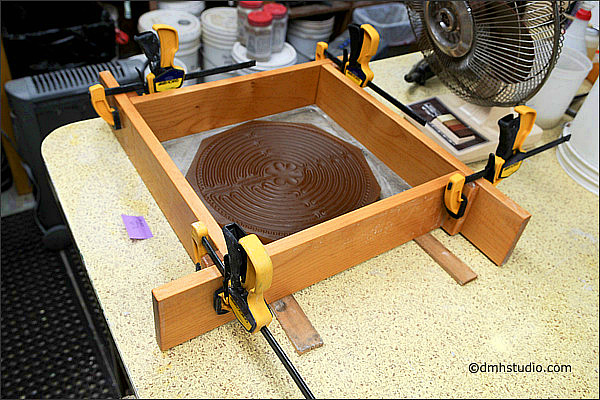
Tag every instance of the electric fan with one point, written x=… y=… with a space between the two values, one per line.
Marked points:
x=492 y=55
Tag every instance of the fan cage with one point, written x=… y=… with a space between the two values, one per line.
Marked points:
x=515 y=47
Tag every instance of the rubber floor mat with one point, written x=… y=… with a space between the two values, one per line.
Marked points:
x=48 y=348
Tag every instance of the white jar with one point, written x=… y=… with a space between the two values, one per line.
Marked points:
x=260 y=30
x=279 y=12
x=243 y=9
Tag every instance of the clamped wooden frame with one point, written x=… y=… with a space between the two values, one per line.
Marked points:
x=183 y=308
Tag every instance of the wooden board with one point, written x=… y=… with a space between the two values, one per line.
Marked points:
x=454 y=266
x=173 y=114
x=295 y=323
x=183 y=308
x=494 y=229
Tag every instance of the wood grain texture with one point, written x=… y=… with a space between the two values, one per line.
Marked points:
x=494 y=223
x=454 y=266
x=298 y=328
x=198 y=108
x=183 y=307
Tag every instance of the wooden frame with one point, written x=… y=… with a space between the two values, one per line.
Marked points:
x=183 y=308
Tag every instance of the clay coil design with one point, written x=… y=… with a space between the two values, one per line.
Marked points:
x=276 y=178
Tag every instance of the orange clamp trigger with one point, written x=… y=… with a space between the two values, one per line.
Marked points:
x=169 y=44
x=320 y=50
x=453 y=193
x=198 y=231
x=100 y=105
x=528 y=116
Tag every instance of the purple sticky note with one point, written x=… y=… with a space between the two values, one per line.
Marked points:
x=137 y=228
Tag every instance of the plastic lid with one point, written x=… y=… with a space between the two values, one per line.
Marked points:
x=276 y=10
x=194 y=7
x=583 y=14
x=260 y=18
x=220 y=20
x=186 y=24
x=251 y=4
x=284 y=58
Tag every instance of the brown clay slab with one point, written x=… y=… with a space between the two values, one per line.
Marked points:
x=277 y=178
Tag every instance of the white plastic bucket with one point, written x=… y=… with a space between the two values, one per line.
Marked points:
x=219 y=33
x=579 y=156
x=284 y=58
x=305 y=34
x=554 y=97
x=305 y=47
x=193 y=7
x=188 y=29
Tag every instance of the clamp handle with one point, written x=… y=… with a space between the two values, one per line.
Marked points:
x=364 y=41
x=259 y=276
x=513 y=132
x=169 y=44
x=320 y=50
x=150 y=45
x=528 y=116
x=100 y=105
x=248 y=274
x=167 y=76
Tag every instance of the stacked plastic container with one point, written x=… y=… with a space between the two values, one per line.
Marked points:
x=281 y=59
x=219 y=33
x=305 y=34
x=282 y=54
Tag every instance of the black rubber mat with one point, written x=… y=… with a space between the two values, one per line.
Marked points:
x=49 y=350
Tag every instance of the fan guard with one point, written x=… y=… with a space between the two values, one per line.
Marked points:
x=490 y=53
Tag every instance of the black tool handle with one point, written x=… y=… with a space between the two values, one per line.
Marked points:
x=220 y=70
x=356 y=42
x=150 y=45
x=287 y=363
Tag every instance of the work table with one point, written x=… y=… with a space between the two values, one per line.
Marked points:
x=394 y=326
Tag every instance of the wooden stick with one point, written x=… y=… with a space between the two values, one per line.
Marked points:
x=297 y=326
x=454 y=266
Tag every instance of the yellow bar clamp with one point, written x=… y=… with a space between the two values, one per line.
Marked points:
x=100 y=105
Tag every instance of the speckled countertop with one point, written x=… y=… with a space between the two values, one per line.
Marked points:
x=394 y=326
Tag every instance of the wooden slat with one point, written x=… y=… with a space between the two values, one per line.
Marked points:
x=454 y=266
x=198 y=108
x=168 y=186
x=296 y=325
x=183 y=308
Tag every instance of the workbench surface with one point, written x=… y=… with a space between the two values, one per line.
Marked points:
x=394 y=326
